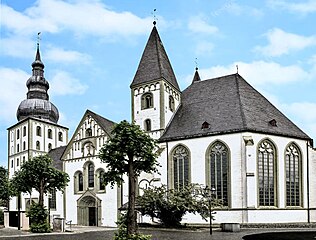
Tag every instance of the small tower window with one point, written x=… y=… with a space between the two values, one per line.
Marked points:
x=89 y=132
x=49 y=133
x=24 y=145
x=18 y=134
x=18 y=148
x=38 y=145
x=38 y=131
x=23 y=160
x=17 y=162
x=60 y=136
x=147 y=101
x=49 y=146
x=24 y=131
x=147 y=125
x=171 y=103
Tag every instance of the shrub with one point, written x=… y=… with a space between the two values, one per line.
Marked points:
x=38 y=219
x=1 y=217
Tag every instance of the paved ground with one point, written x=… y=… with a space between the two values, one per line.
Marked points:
x=98 y=233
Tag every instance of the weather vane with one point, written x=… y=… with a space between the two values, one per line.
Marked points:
x=38 y=38
x=154 y=16
x=196 y=64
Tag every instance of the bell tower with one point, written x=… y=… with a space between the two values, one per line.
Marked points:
x=155 y=91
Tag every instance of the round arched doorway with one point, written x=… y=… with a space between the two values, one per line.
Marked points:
x=88 y=211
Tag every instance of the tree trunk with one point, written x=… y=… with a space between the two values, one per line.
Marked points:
x=131 y=213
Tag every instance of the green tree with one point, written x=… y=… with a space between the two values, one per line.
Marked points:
x=129 y=151
x=170 y=205
x=38 y=173
x=5 y=190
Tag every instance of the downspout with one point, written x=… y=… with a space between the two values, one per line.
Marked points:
x=168 y=181
x=308 y=204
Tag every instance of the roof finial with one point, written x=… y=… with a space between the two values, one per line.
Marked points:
x=237 y=68
x=38 y=38
x=154 y=16
x=196 y=64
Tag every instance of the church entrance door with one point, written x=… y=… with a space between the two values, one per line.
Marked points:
x=92 y=216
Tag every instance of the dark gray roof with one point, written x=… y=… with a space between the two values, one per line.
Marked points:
x=56 y=154
x=106 y=124
x=228 y=104
x=154 y=63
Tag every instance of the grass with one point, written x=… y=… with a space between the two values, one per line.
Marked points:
x=307 y=235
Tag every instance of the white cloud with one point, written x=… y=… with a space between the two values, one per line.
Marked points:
x=199 y=25
x=302 y=7
x=203 y=48
x=80 y=17
x=63 y=83
x=12 y=92
x=236 y=9
x=257 y=73
x=60 y=55
x=281 y=43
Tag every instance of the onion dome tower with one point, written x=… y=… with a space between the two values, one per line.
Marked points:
x=37 y=104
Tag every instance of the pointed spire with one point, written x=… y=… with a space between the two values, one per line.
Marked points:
x=154 y=64
x=196 y=77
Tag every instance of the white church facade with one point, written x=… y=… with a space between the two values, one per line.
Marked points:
x=218 y=132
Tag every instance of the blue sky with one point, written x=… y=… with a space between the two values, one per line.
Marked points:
x=91 y=50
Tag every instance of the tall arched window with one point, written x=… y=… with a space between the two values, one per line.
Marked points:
x=80 y=182
x=266 y=173
x=101 y=182
x=38 y=131
x=24 y=145
x=147 y=101
x=293 y=175
x=218 y=169
x=171 y=103
x=181 y=167
x=90 y=175
x=147 y=125
x=18 y=134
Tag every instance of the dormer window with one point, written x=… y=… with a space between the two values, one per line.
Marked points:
x=147 y=101
x=205 y=125
x=273 y=123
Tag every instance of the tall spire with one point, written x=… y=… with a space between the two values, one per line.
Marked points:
x=154 y=64
x=37 y=103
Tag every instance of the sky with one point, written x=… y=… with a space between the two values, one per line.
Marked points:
x=91 y=50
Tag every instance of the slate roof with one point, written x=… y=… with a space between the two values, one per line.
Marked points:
x=106 y=124
x=228 y=104
x=154 y=63
x=56 y=155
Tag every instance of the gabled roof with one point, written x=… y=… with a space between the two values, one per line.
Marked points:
x=154 y=64
x=105 y=124
x=229 y=104
x=56 y=155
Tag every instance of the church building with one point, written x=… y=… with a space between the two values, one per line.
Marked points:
x=219 y=132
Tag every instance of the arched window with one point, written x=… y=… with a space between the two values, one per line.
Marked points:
x=80 y=182
x=18 y=147
x=49 y=133
x=60 y=136
x=90 y=175
x=147 y=125
x=24 y=131
x=89 y=132
x=17 y=162
x=38 y=145
x=49 y=146
x=218 y=160
x=23 y=160
x=171 y=103
x=24 y=145
x=18 y=134
x=293 y=175
x=181 y=167
x=147 y=101
x=38 y=131
x=266 y=173
x=101 y=182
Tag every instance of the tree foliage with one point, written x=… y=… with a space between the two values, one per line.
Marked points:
x=5 y=190
x=38 y=218
x=39 y=174
x=169 y=206
x=130 y=151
